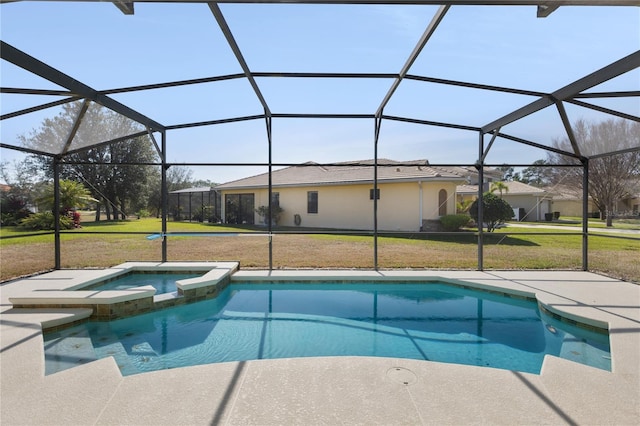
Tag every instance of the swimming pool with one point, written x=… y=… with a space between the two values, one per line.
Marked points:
x=430 y=321
x=163 y=282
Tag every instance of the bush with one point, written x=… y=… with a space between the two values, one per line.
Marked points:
x=495 y=211
x=276 y=212
x=13 y=209
x=144 y=213
x=453 y=222
x=45 y=221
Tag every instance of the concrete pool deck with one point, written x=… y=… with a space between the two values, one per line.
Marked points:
x=338 y=390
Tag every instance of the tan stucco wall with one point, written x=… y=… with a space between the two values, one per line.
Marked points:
x=571 y=207
x=535 y=206
x=574 y=207
x=349 y=206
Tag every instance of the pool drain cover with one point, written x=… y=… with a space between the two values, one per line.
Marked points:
x=401 y=375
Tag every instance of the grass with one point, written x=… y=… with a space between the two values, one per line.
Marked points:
x=99 y=245
x=593 y=223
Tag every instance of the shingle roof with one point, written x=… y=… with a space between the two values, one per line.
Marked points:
x=515 y=188
x=566 y=192
x=350 y=172
x=192 y=190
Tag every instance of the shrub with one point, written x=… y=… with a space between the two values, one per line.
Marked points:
x=495 y=211
x=144 y=213
x=276 y=212
x=13 y=209
x=45 y=221
x=453 y=222
x=463 y=206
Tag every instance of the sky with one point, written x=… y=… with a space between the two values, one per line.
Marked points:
x=98 y=45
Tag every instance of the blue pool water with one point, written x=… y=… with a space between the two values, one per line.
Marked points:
x=433 y=322
x=163 y=282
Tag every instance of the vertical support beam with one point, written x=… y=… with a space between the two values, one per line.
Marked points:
x=165 y=195
x=378 y=123
x=270 y=191
x=56 y=211
x=585 y=214
x=480 y=168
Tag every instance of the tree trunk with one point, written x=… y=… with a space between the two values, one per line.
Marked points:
x=98 y=212
x=107 y=210
x=609 y=214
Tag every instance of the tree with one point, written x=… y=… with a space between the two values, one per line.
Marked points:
x=178 y=177
x=25 y=181
x=107 y=170
x=463 y=206
x=611 y=178
x=72 y=195
x=536 y=174
x=500 y=187
x=495 y=211
x=508 y=173
x=13 y=208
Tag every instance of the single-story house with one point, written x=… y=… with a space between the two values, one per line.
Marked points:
x=340 y=196
x=633 y=205
x=529 y=202
x=568 y=201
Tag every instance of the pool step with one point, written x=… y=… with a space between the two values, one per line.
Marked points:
x=67 y=349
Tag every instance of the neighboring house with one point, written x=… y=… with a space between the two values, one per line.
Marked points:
x=633 y=204
x=528 y=202
x=630 y=206
x=568 y=201
x=341 y=196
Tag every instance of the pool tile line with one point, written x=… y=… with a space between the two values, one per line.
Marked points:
x=528 y=296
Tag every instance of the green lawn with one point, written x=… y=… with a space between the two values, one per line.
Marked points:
x=593 y=223
x=103 y=244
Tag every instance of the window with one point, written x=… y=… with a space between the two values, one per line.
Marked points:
x=312 y=202
x=275 y=199
x=377 y=190
x=442 y=202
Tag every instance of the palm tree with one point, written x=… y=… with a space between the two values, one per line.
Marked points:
x=500 y=187
x=72 y=194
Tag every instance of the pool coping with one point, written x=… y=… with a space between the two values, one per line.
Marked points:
x=347 y=390
x=114 y=304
